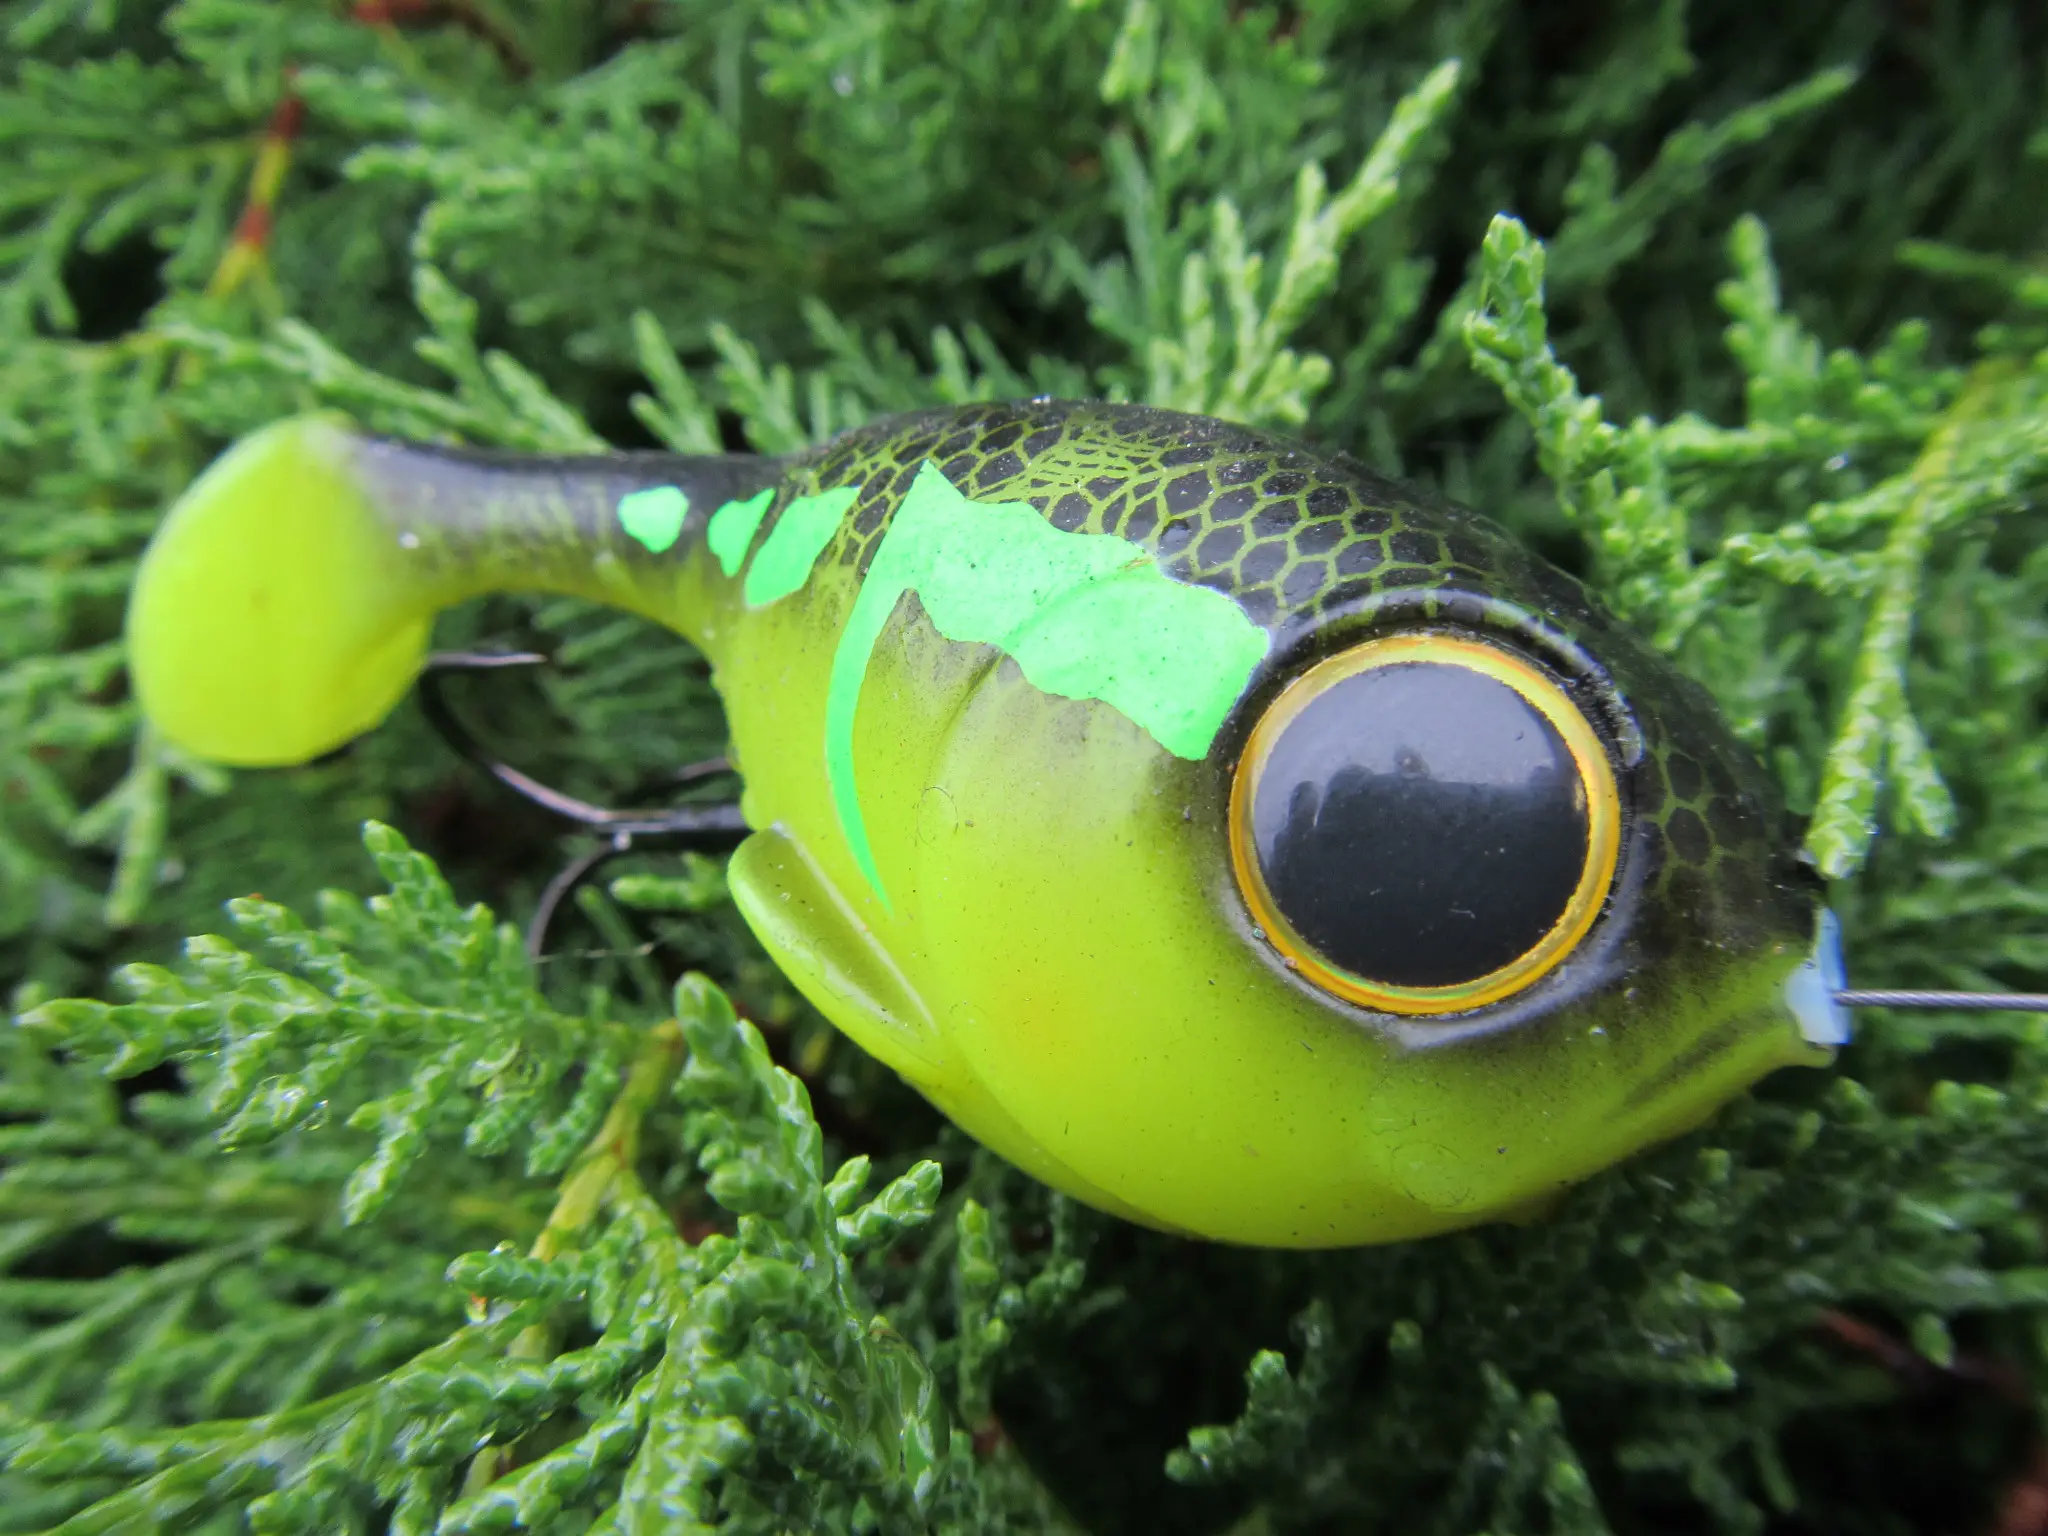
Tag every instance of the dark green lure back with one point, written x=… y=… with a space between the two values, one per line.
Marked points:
x=1229 y=836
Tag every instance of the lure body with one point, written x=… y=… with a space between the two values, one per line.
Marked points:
x=995 y=680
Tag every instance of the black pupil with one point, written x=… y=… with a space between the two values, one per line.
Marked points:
x=1420 y=824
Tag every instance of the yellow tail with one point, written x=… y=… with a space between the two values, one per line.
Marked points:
x=285 y=603
x=273 y=618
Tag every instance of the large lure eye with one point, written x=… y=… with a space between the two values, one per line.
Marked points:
x=1424 y=824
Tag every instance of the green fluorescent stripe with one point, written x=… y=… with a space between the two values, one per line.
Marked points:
x=733 y=527
x=654 y=516
x=1085 y=616
x=794 y=544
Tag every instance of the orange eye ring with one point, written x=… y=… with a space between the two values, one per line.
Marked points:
x=1597 y=790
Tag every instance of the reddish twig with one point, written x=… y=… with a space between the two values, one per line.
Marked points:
x=990 y=1437
x=2023 y=1510
x=248 y=252
x=390 y=15
x=1908 y=1364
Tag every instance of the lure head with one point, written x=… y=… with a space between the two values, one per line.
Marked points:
x=1468 y=894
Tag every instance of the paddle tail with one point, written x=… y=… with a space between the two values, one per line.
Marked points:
x=285 y=603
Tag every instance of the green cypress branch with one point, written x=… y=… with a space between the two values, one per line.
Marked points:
x=699 y=1351
x=786 y=218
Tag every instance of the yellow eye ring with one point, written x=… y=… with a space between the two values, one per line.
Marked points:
x=1556 y=919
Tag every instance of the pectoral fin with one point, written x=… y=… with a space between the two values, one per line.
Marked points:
x=833 y=957
x=839 y=963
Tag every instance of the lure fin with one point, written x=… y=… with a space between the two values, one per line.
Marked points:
x=819 y=944
x=829 y=953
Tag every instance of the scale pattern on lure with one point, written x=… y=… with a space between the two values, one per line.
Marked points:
x=1243 y=842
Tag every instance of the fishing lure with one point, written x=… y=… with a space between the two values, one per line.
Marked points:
x=1241 y=842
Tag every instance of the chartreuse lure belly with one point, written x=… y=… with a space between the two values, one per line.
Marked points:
x=1223 y=834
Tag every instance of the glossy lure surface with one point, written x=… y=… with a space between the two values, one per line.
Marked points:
x=1237 y=840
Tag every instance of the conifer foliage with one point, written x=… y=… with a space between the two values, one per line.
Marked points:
x=325 y=1210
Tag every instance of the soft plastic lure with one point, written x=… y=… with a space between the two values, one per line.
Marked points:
x=1230 y=837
